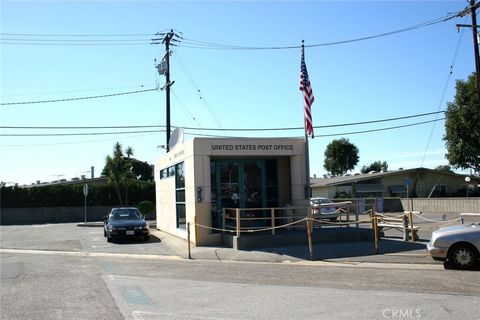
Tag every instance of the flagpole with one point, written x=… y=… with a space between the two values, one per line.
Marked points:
x=307 y=154
x=307 y=170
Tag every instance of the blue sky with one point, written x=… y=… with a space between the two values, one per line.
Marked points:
x=386 y=77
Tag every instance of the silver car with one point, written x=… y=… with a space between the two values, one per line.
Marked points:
x=458 y=245
x=324 y=208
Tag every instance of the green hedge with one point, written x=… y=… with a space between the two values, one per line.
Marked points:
x=72 y=195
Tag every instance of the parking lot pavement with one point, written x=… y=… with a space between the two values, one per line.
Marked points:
x=78 y=238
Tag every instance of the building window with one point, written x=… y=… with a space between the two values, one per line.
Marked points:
x=167 y=172
x=163 y=173
x=180 y=194
x=443 y=188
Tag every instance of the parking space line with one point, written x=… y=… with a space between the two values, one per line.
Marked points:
x=91 y=254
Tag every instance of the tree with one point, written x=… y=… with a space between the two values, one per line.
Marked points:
x=375 y=166
x=462 y=126
x=340 y=156
x=142 y=170
x=445 y=168
x=118 y=170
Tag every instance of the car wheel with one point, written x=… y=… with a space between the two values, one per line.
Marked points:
x=109 y=239
x=463 y=256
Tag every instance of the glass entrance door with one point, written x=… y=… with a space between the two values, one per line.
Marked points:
x=228 y=173
x=253 y=184
x=238 y=184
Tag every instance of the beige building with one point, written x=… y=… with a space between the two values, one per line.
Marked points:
x=198 y=178
x=419 y=183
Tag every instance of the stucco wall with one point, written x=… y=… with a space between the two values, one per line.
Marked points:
x=443 y=205
x=196 y=155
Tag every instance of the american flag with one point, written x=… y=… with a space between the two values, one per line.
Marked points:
x=308 y=97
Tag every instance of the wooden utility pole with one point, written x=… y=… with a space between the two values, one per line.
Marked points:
x=164 y=69
x=167 y=40
x=473 y=11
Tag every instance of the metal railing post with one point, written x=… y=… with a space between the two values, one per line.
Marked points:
x=188 y=240
x=272 y=211
x=237 y=217
x=224 y=211
x=412 y=235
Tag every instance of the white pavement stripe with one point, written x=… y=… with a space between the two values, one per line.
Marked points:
x=91 y=254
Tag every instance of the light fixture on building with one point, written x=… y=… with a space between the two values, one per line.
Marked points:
x=467 y=180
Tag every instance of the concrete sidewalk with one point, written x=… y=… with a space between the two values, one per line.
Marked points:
x=89 y=238
x=391 y=251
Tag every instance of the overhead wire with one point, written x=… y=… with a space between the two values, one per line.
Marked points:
x=184 y=108
x=196 y=88
x=70 y=142
x=191 y=43
x=152 y=131
x=225 y=129
x=444 y=91
x=72 y=91
x=77 y=35
x=78 y=98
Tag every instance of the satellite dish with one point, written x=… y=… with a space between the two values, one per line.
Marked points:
x=175 y=138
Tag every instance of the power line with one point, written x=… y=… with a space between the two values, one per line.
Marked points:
x=76 y=44
x=73 y=40
x=381 y=129
x=191 y=43
x=77 y=35
x=185 y=109
x=196 y=88
x=445 y=87
x=158 y=131
x=76 y=134
x=78 y=98
x=74 y=142
x=70 y=91
x=224 y=129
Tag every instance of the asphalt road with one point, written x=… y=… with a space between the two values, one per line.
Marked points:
x=56 y=285
x=69 y=272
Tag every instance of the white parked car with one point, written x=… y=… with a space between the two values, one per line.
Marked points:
x=324 y=208
x=458 y=245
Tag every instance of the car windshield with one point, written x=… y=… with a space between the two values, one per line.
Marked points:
x=125 y=214
x=320 y=201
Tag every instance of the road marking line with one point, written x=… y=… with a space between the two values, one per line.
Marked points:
x=92 y=254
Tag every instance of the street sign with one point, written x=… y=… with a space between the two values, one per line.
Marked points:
x=407 y=182
x=85 y=193
x=85 y=189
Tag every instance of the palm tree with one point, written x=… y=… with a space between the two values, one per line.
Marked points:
x=118 y=170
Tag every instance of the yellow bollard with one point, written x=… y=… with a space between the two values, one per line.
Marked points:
x=237 y=215
x=188 y=240
x=309 y=237
x=376 y=235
